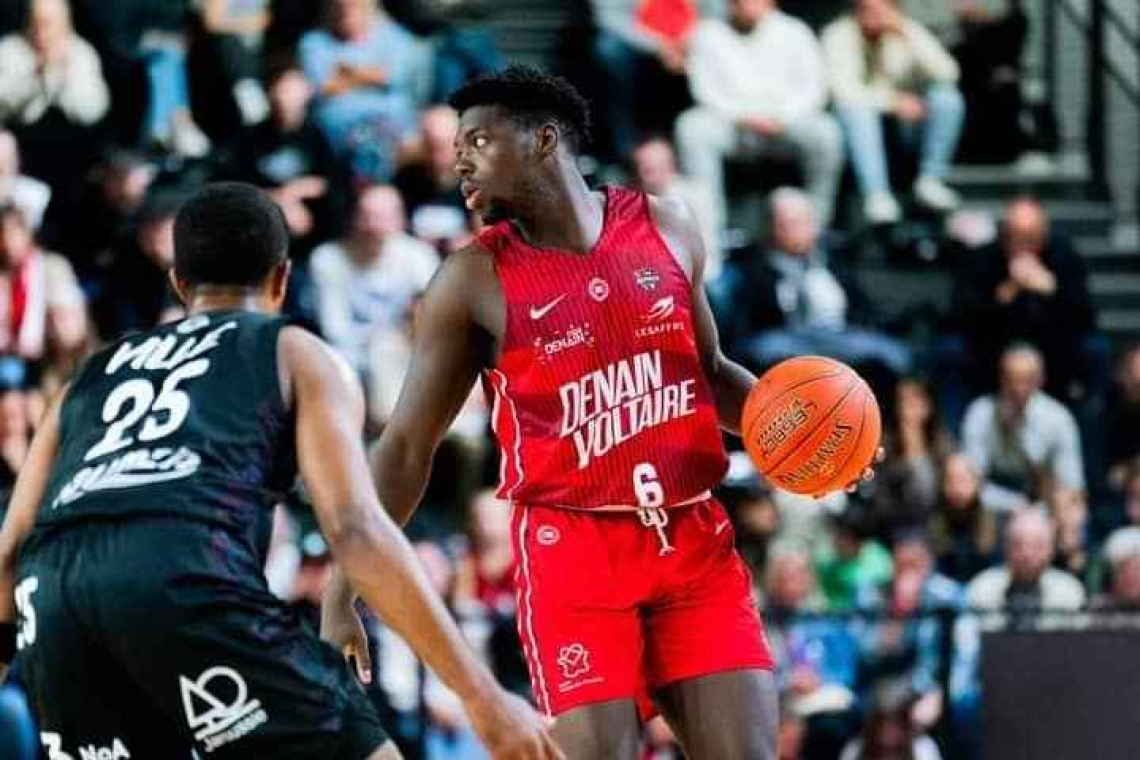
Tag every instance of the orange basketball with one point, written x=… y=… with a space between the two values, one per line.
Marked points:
x=811 y=425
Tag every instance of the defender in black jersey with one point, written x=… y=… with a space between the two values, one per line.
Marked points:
x=136 y=536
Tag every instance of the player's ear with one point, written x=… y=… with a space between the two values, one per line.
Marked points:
x=547 y=139
x=279 y=282
x=180 y=287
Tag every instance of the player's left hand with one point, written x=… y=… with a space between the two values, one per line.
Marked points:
x=869 y=473
x=342 y=627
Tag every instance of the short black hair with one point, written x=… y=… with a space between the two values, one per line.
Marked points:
x=229 y=233
x=530 y=98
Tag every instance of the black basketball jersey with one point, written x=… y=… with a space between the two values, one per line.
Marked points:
x=185 y=420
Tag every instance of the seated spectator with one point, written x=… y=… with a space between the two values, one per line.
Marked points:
x=367 y=281
x=1026 y=585
x=42 y=310
x=462 y=47
x=137 y=294
x=890 y=731
x=1022 y=441
x=1070 y=512
x=31 y=195
x=52 y=94
x=885 y=66
x=15 y=424
x=987 y=38
x=816 y=657
x=289 y=156
x=1030 y=286
x=903 y=644
x=750 y=503
x=759 y=86
x=851 y=561
x=1122 y=417
x=1024 y=593
x=107 y=212
x=427 y=180
x=639 y=47
x=798 y=303
x=231 y=37
x=1122 y=553
x=485 y=575
x=655 y=172
x=916 y=444
x=964 y=533
x=370 y=74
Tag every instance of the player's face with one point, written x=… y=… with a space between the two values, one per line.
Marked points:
x=492 y=158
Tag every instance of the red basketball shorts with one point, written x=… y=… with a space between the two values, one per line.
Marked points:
x=604 y=615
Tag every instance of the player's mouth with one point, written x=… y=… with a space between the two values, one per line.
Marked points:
x=471 y=194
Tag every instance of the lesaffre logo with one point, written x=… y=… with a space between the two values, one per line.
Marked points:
x=659 y=319
x=661 y=310
x=218 y=707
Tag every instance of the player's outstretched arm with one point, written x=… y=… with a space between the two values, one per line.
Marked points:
x=373 y=553
x=31 y=484
x=730 y=381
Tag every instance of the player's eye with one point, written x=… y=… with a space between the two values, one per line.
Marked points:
x=480 y=141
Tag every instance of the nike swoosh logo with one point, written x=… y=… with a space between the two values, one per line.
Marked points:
x=541 y=311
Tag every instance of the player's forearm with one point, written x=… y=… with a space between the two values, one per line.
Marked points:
x=381 y=566
x=401 y=470
x=731 y=384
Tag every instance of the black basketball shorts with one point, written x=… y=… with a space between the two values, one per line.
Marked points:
x=158 y=638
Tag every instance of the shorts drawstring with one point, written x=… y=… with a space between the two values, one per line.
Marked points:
x=657 y=518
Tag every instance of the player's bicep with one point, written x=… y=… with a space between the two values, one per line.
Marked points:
x=329 y=406
x=448 y=351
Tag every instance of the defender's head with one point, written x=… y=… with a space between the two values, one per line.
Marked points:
x=513 y=126
x=231 y=237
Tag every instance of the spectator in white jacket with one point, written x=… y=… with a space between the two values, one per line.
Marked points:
x=884 y=65
x=367 y=282
x=50 y=65
x=759 y=85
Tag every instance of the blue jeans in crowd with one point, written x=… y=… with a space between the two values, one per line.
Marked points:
x=936 y=137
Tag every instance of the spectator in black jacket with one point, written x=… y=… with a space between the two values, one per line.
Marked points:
x=289 y=157
x=794 y=302
x=1031 y=287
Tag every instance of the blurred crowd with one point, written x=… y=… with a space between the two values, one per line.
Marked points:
x=802 y=135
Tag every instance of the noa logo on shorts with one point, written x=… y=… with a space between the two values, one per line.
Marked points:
x=218 y=707
x=547 y=535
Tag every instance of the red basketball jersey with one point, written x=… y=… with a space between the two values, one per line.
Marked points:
x=599 y=396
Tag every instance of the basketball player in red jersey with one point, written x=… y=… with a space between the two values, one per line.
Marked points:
x=585 y=314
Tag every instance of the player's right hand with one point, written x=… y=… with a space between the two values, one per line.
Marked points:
x=510 y=728
x=342 y=627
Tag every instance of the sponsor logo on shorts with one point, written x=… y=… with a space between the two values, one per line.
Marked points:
x=117 y=751
x=218 y=708
x=574 y=660
x=548 y=535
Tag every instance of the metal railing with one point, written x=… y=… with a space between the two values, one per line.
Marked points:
x=1104 y=28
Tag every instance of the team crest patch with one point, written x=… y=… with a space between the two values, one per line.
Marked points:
x=599 y=289
x=647 y=278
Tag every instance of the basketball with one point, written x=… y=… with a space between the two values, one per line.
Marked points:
x=811 y=425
